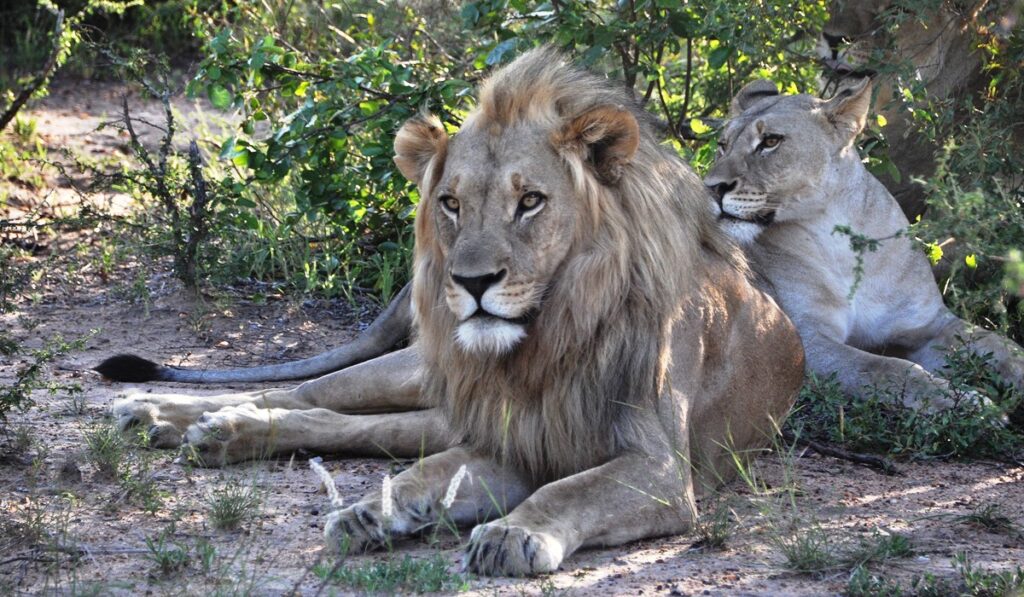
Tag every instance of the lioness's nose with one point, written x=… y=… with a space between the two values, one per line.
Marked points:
x=478 y=285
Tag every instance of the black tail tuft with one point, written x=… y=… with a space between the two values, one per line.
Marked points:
x=130 y=368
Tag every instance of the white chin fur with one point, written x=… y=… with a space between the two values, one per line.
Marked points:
x=489 y=335
x=745 y=233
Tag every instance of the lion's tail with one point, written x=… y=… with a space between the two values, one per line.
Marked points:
x=391 y=327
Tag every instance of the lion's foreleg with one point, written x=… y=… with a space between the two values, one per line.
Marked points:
x=487 y=490
x=629 y=498
x=247 y=432
x=857 y=371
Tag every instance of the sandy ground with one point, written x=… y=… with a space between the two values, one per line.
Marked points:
x=102 y=532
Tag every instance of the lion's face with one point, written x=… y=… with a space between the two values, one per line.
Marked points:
x=501 y=210
x=774 y=153
x=505 y=219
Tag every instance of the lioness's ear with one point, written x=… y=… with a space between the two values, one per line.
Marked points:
x=605 y=137
x=420 y=148
x=848 y=110
x=750 y=93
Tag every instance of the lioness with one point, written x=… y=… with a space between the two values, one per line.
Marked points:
x=787 y=174
x=589 y=335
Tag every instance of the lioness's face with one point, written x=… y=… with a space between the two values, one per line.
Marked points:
x=774 y=153
x=505 y=222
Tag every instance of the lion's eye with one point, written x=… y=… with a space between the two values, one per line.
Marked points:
x=450 y=203
x=721 y=148
x=770 y=142
x=530 y=201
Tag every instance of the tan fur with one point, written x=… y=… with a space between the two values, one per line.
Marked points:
x=647 y=357
x=895 y=329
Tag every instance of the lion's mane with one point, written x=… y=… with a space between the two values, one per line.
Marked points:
x=599 y=348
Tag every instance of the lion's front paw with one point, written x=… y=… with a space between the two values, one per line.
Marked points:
x=500 y=549
x=142 y=411
x=356 y=529
x=231 y=434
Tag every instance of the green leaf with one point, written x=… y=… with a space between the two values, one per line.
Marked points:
x=881 y=120
x=495 y=56
x=301 y=89
x=971 y=261
x=719 y=56
x=934 y=253
x=219 y=96
x=698 y=127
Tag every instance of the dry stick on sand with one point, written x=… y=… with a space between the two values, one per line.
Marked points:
x=883 y=465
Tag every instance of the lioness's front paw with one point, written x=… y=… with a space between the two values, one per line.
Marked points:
x=143 y=411
x=500 y=549
x=231 y=434
x=355 y=529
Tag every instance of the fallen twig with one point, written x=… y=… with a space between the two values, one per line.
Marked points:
x=884 y=465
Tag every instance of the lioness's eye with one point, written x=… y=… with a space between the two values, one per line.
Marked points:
x=530 y=201
x=770 y=141
x=450 y=203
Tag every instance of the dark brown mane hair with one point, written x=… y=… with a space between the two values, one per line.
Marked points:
x=564 y=399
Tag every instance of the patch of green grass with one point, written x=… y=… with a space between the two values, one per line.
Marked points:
x=990 y=517
x=106 y=450
x=879 y=548
x=968 y=581
x=407 y=575
x=166 y=556
x=807 y=550
x=863 y=583
x=714 y=526
x=231 y=505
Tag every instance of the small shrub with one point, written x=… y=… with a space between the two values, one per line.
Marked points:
x=166 y=556
x=877 y=421
x=106 y=450
x=32 y=376
x=231 y=505
x=807 y=550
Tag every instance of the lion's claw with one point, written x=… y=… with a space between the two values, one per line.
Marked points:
x=500 y=549
x=356 y=529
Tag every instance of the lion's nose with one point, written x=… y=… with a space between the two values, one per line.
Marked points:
x=721 y=189
x=478 y=285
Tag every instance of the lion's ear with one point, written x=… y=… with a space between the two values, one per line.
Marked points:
x=750 y=93
x=605 y=137
x=848 y=110
x=420 y=148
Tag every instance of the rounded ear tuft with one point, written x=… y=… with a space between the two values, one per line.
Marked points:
x=420 y=146
x=750 y=94
x=606 y=137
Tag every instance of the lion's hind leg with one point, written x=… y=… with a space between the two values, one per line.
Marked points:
x=246 y=432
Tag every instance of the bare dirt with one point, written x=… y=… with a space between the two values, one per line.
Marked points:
x=93 y=533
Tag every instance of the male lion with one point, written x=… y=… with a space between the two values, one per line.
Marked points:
x=589 y=335
x=786 y=176
x=587 y=330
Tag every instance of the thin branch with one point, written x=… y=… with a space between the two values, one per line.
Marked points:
x=41 y=78
x=878 y=463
